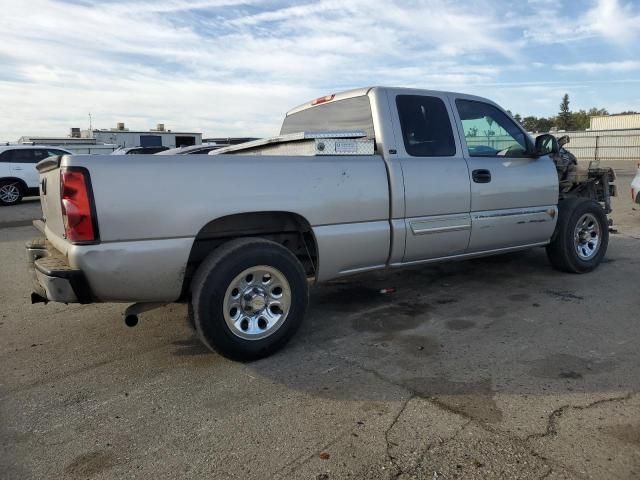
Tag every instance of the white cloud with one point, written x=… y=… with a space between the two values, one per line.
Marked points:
x=613 y=20
x=608 y=19
x=231 y=72
x=233 y=67
x=606 y=67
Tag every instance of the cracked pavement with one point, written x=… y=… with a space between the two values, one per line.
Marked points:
x=491 y=368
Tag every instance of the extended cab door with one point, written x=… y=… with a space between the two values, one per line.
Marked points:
x=436 y=178
x=513 y=195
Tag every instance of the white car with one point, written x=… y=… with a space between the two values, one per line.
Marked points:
x=18 y=175
x=202 y=149
x=635 y=187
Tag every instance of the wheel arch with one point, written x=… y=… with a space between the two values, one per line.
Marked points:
x=565 y=206
x=289 y=229
x=22 y=183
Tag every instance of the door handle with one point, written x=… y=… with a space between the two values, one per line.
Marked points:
x=17 y=168
x=481 y=176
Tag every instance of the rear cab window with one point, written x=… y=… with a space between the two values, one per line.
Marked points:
x=489 y=132
x=426 y=126
x=340 y=115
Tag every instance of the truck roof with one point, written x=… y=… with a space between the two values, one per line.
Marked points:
x=365 y=90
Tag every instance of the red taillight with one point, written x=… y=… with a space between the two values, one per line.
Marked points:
x=324 y=99
x=77 y=206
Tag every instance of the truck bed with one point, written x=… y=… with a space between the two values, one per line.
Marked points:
x=151 y=208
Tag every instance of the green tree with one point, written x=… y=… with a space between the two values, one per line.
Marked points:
x=530 y=123
x=545 y=124
x=564 y=116
x=566 y=119
x=580 y=120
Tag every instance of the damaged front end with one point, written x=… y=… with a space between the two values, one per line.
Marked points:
x=592 y=181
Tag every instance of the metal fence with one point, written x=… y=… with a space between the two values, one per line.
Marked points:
x=586 y=145
x=604 y=144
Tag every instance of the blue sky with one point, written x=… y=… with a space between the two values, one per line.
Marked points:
x=234 y=67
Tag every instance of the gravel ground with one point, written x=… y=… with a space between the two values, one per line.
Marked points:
x=490 y=368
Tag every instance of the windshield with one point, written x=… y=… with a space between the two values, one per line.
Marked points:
x=348 y=114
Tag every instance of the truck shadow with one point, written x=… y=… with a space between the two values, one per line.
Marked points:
x=462 y=333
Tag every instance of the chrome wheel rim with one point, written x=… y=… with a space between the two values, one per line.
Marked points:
x=9 y=193
x=586 y=237
x=257 y=302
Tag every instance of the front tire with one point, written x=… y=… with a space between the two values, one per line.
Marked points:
x=581 y=238
x=249 y=297
x=11 y=192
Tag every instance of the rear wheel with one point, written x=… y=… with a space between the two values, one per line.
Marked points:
x=249 y=297
x=11 y=192
x=581 y=238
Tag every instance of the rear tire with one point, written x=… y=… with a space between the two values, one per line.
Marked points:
x=581 y=238
x=249 y=297
x=11 y=192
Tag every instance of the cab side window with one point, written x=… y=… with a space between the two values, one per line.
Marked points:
x=489 y=132
x=23 y=155
x=426 y=127
x=40 y=154
x=6 y=156
x=51 y=152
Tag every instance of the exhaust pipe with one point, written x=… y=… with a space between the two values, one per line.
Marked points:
x=37 y=298
x=132 y=312
x=131 y=320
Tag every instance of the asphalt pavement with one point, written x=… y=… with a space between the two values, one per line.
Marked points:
x=490 y=368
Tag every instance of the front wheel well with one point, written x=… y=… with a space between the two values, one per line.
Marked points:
x=22 y=183
x=286 y=228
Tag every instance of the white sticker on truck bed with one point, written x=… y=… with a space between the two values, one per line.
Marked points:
x=346 y=147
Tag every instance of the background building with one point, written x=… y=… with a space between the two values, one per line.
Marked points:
x=105 y=141
x=615 y=122
x=157 y=137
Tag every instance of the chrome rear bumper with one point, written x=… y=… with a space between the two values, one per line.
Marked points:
x=52 y=277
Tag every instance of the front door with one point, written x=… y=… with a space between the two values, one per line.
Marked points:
x=436 y=178
x=513 y=194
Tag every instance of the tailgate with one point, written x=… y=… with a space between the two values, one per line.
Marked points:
x=49 y=170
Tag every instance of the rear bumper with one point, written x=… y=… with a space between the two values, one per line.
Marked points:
x=52 y=277
x=116 y=271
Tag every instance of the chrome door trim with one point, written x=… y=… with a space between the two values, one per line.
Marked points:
x=440 y=224
x=551 y=210
x=417 y=230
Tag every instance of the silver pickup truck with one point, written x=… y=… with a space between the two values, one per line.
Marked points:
x=357 y=181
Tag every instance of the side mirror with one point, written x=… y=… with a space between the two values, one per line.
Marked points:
x=546 y=144
x=562 y=141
